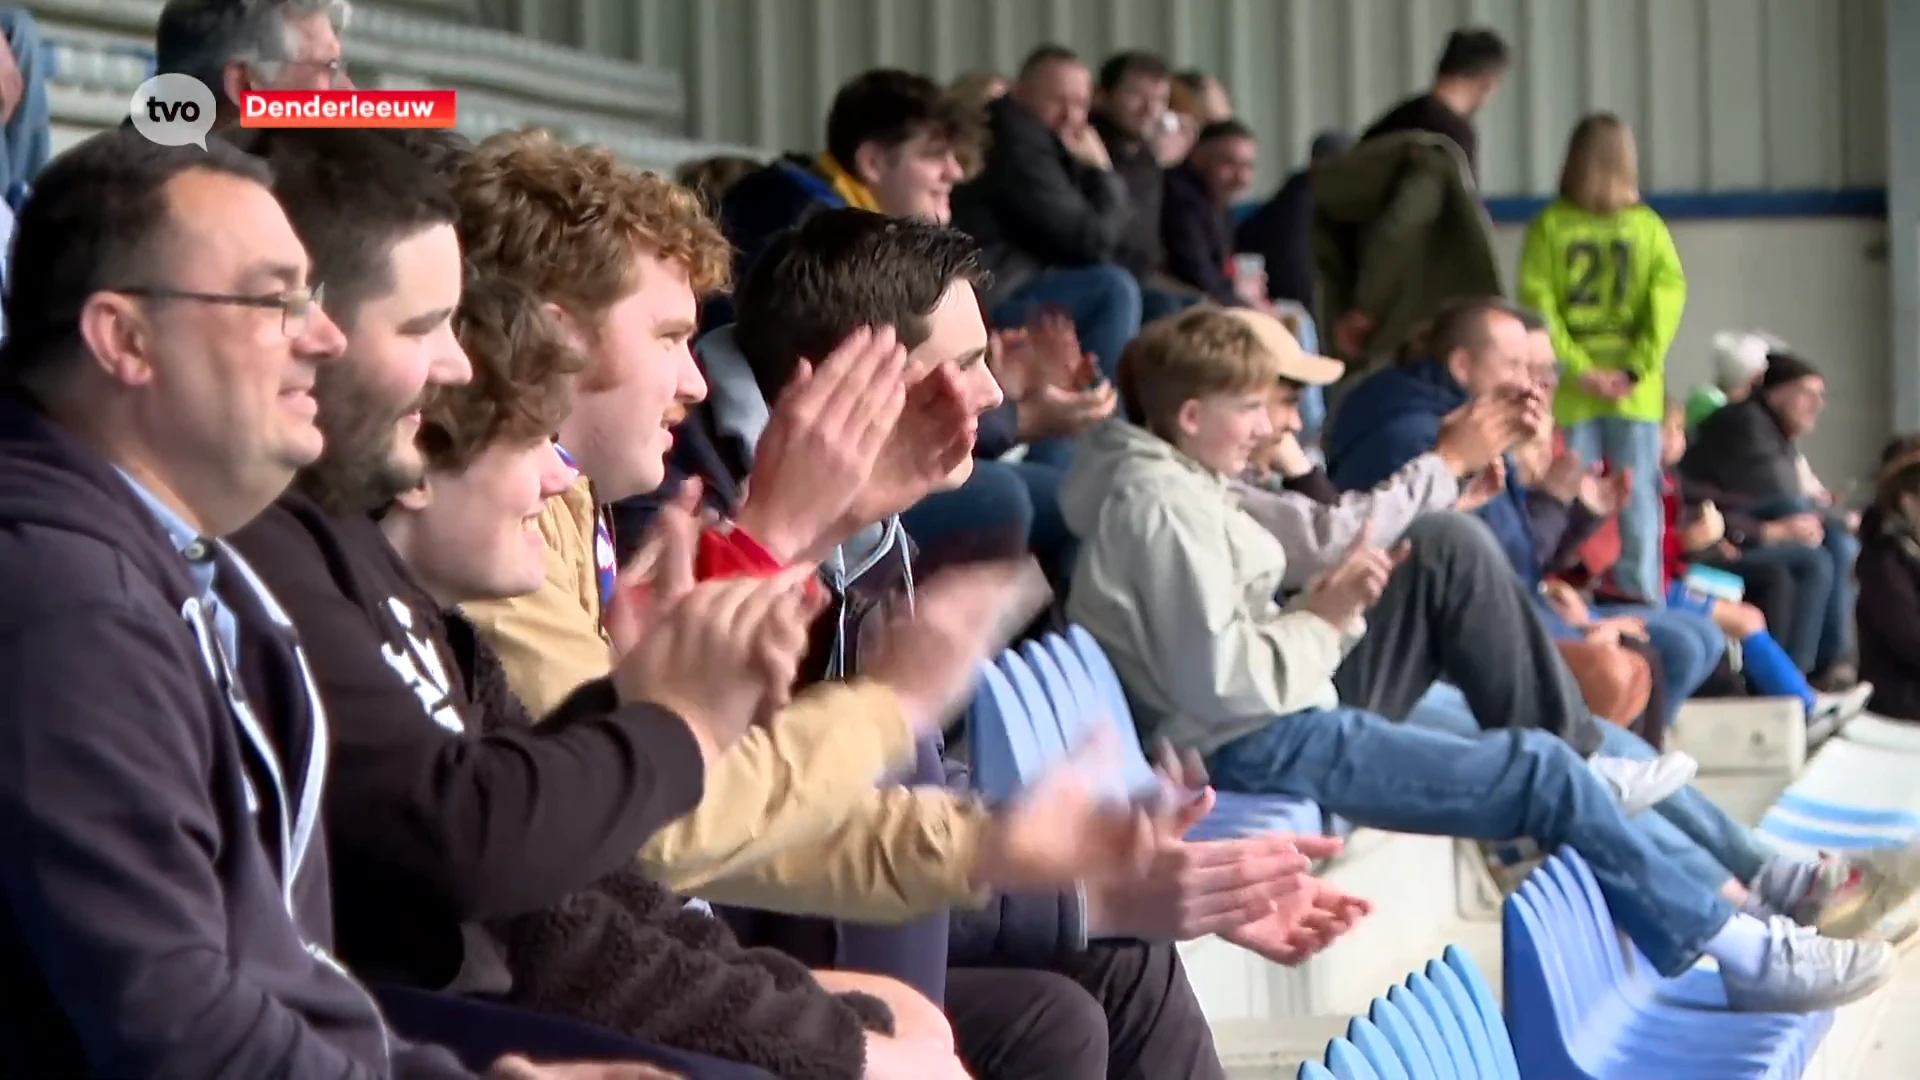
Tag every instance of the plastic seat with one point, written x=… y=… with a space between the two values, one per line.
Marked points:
x=1235 y=814
x=1459 y=981
x=1313 y=1070
x=1039 y=710
x=1852 y=795
x=1003 y=748
x=1062 y=662
x=1346 y=1062
x=1576 y=1009
x=1398 y=1030
x=1462 y=1036
x=1369 y=1040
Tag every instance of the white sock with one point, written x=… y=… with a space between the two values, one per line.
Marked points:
x=1741 y=947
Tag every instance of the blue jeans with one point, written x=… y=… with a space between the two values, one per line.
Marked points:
x=1689 y=644
x=1631 y=444
x=1160 y=303
x=1840 y=548
x=1498 y=786
x=1103 y=301
x=1722 y=849
x=1810 y=571
x=27 y=140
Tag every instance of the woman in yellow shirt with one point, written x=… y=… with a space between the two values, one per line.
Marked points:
x=1601 y=268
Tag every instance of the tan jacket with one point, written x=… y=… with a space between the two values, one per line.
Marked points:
x=793 y=819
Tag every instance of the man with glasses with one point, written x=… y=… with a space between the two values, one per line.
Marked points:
x=239 y=45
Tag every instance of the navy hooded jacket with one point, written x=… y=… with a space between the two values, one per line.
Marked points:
x=1393 y=417
x=162 y=867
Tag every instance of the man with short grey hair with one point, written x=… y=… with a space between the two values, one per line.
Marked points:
x=238 y=45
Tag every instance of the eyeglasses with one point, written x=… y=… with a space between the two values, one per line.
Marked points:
x=294 y=305
x=336 y=70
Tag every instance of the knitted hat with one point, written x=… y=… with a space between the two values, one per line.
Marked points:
x=1783 y=368
x=1738 y=356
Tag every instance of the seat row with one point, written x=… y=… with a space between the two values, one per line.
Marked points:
x=1442 y=1023
x=1037 y=702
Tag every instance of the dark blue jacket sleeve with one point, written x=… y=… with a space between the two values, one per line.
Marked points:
x=1189 y=229
x=1014 y=929
x=1018 y=930
x=110 y=861
x=1367 y=463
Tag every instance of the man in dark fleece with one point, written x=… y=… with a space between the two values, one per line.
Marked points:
x=1036 y=984
x=1470 y=71
x=165 y=870
x=457 y=831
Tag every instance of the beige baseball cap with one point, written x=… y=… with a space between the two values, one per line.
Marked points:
x=1293 y=362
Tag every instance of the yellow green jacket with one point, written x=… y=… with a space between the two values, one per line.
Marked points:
x=1612 y=291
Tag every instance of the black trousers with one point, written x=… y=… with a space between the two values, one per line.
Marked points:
x=1120 y=1010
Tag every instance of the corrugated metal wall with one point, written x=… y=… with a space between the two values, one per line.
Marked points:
x=1728 y=95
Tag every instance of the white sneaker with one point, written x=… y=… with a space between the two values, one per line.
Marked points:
x=1832 y=711
x=1805 y=972
x=1638 y=784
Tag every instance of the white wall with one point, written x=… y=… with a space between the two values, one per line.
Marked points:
x=1820 y=283
x=1727 y=94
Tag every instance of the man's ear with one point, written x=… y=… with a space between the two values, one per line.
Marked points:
x=869 y=161
x=570 y=329
x=234 y=82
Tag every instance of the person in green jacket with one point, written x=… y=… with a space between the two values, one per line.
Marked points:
x=1601 y=268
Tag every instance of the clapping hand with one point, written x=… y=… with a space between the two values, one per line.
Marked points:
x=1302 y=925
x=822 y=444
x=1483 y=488
x=1605 y=496
x=1346 y=592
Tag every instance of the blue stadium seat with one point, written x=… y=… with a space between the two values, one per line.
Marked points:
x=1368 y=1039
x=1461 y=1034
x=1001 y=744
x=1346 y=1062
x=1577 y=1009
x=1135 y=771
x=1074 y=723
x=1039 y=710
x=1472 y=1000
x=1397 y=1028
x=1313 y=1070
x=1234 y=814
x=1441 y=1024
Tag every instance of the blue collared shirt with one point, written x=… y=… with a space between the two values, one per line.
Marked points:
x=198 y=551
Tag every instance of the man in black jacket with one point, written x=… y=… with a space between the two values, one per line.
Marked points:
x=1747 y=455
x=1194 y=226
x=1143 y=139
x=166 y=871
x=1048 y=209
